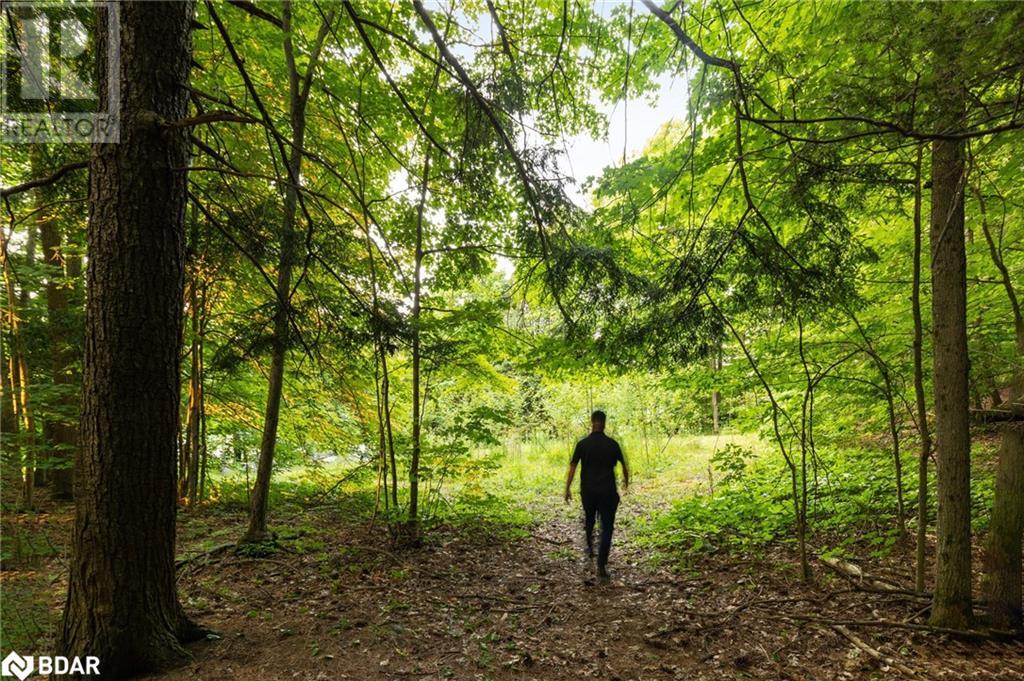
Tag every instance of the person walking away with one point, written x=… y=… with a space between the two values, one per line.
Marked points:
x=598 y=455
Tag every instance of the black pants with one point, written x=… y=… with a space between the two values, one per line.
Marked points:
x=604 y=504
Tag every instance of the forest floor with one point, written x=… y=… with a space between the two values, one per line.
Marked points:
x=483 y=599
x=480 y=603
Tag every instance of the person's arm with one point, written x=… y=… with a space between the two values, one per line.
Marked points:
x=576 y=454
x=568 y=481
x=625 y=470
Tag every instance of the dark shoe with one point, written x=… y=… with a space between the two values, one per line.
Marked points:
x=602 y=574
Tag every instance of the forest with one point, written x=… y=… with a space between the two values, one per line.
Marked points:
x=299 y=341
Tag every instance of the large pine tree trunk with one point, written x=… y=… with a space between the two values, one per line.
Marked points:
x=122 y=603
x=951 y=605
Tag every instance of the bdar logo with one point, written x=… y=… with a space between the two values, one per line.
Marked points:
x=21 y=666
x=16 y=665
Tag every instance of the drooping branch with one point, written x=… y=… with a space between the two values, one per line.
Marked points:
x=740 y=108
x=387 y=76
x=520 y=167
x=43 y=181
x=687 y=41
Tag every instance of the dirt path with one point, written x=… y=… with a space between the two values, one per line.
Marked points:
x=476 y=605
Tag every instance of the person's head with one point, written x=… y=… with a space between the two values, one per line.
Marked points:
x=597 y=421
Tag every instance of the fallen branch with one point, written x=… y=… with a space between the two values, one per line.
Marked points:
x=884 y=659
x=216 y=551
x=859 y=578
x=980 y=634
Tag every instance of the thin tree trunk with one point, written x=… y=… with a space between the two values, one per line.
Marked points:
x=49 y=241
x=716 y=366
x=122 y=603
x=919 y=395
x=10 y=464
x=386 y=391
x=203 y=451
x=279 y=342
x=806 y=440
x=894 y=431
x=25 y=410
x=951 y=605
x=19 y=379
x=799 y=513
x=298 y=89
x=414 y=464
x=195 y=397
x=381 y=385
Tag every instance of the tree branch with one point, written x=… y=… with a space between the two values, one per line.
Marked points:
x=251 y=8
x=43 y=181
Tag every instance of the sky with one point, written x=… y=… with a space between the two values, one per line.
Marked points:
x=630 y=126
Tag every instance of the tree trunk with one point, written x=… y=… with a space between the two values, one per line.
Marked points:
x=414 y=464
x=389 y=429
x=716 y=366
x=122 y=604
x=1003 y=554
x=61 y=434
x=894 y=433
x=298 y=91
x=44 y=224
x=195 y=400
x=951 y=604
x=921 y=403
x=279 y=342
x=889 y=392
x=203 y=450
x=279 y=347
x=19 y=377
x=10 y=463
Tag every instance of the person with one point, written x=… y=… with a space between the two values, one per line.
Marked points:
x=598 y=454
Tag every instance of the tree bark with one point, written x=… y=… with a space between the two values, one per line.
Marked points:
x=921 y=402
x=951 y=604
x=1003 y=552
x=122 y=604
